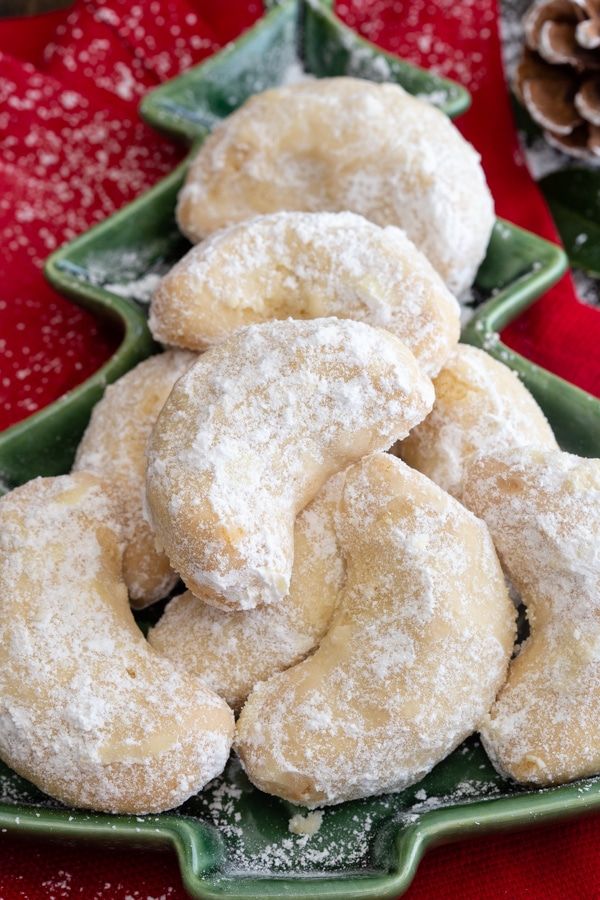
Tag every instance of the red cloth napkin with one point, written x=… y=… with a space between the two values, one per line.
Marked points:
x=71 y=151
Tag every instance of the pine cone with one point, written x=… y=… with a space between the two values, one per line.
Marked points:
x=558 y=79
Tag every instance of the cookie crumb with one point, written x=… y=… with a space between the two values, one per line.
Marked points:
x=308 y=824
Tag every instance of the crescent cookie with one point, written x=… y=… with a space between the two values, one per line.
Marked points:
x=336 y=144
x=416 y=652
x=88 y=711
x=114 y=448
x=480 y=406
x=307 y=265
x=251 y=433
x=543 y=511
x=233 y=651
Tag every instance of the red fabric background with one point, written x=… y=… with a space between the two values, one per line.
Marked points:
x=89 y=156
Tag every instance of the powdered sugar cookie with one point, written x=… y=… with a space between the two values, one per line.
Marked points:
x=114 y=448
x=480 y=406
x=307 y=265
x=543 y=511
x=251 y=433
x=416 y=652
x=233 y=651
x=346 y=144
x=88 y=711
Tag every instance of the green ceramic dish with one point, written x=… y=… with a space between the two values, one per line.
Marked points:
x=232 y=841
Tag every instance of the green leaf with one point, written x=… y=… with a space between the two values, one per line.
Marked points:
x=574 y=199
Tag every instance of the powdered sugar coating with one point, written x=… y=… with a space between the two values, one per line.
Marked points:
x=543 y=510
x=114 y=448
x=480 y=406
x=307 y=265
x=418 y=647
x=88 y=711
x=346 y=144
x=251 y=433
x=232 y=651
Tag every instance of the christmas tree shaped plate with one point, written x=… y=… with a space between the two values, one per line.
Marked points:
x=231 y=840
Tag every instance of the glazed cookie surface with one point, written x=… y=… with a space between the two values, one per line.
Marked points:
x=251 y=433
x=233 y=651
x=416 y=652
x=337 y=144
x=89 y=712
x=307 y=265
x=114 y=448
x=480 y=406
x=543 y=510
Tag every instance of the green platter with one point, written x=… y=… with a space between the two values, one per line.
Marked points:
x=231 y=840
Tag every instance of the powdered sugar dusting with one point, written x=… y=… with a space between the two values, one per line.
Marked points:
x=307 y=265
x=480 y=406
x=254 y=829
x=329 y=144
x=86 y=711
x=543 y=510
x=295 y=72
x=251 y=433
x=417 y=649
x=458 y=51
x=232 y=651
x=141 y=289
x=114 y=448
x=306 y=825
